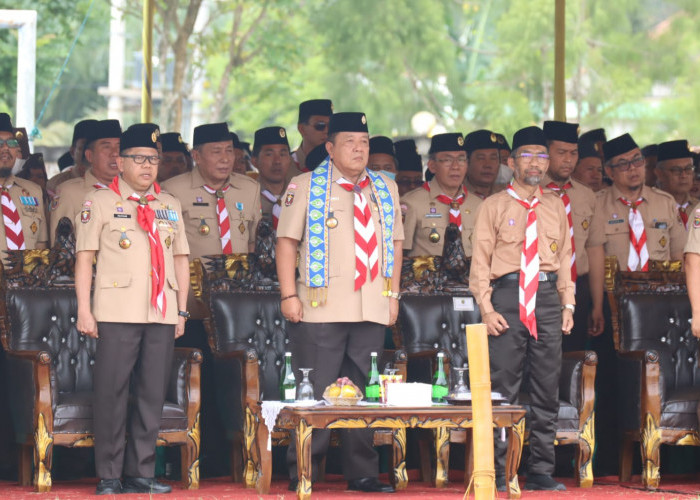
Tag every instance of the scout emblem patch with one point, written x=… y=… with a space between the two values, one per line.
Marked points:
x=168 y=241
x=584 y=224
x=289 y=199
x=553 y=247
x=85 y=216
x=34 y=227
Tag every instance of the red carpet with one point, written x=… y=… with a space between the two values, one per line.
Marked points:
x=672 y=487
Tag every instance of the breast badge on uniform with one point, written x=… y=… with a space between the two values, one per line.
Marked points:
x=203 y=227
x=696 y=220
x=434 y=236
x=168 y=241
x=331 y=221
x=585 y=224
x=34 y=227
x=553 y=247
x=289 y=199
x=124 y=241
x=663 y=242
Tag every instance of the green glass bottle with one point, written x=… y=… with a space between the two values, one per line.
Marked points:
x=288 y=383
x=372 y=387
x=440 y=387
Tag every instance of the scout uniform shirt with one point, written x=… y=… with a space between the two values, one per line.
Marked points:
x=28 y=200
x=582 y=200
x=108 y=224
x=610 y=227
x=199 y=212
x=267 y=205
x=61 y=177
x=685 y=211
x=425 y=215
x=693 y=243
x=69 y=197
x=343 y=303
x=498 y=243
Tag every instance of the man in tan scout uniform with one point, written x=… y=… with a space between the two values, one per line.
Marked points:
x=348 y=290
x=212 y=180
x=23 y=220
x=484 y=161
x=579 y=203
x=692 y=268
x=632 y=221
x=77 y=153
x=138 y=309
x=101 y=152
x=674 y=174
x=521 y=236
x=443 y=200
x=272 y=159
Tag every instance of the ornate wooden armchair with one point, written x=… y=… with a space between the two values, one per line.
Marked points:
x=248 y=337
x=435 y=308
x=49 y=367
x=658 y=375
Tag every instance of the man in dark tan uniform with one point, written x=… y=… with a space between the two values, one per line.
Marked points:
x=23 y=217
x=77 y=152
x=443 y=200
x=313 y=127
x=484 y=161
x=522 y=236
x=589 y=168
x=674 y=174
x=348 y=289
x=173 y=160
x=410 y=166
x=138 y=309
x=101 y=152
x=579 y=203
x=272 y=159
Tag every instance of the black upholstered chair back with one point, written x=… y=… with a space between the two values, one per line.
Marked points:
x=246 y=319
x=430 y=322
x=44 y=319
x=661 y=322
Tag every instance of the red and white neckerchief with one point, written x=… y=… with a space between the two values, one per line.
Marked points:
x=638 y=254
x=99 y=185
x=366 y=248
x=683 y=213
x=561 y=191
x=146 y=218
x=276 y=206
x=453 y=203
x=529 y=264
x=12 y=221
x=222 y=218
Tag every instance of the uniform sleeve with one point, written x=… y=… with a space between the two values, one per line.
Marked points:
x=409 y=225
x=180 y=244
x=399 y=233
x=60 y=207
x=485 y=241
x=88 y=225
x=257 y=215
x=293 y=216
x=677 y=233
x=565 y=286
x=596 y=233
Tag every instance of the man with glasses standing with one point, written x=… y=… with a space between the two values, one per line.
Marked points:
x=521 y=279
x=674 y=174
x=313 y=127
x=23 y=220
x=440 y=202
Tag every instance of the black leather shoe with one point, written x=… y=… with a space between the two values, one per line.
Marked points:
x=543 y=482
x=501 y=483
x=108 y=487
x=144 y=485
x=370 y=485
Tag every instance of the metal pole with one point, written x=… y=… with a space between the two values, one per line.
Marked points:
x=147 y=41
x=117 y=57
x=24 y=21
x=559 y=60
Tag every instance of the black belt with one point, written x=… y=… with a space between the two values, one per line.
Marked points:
x=511 y=278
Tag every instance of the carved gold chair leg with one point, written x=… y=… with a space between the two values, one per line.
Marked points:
x=189 y=458
x=24 y=471
x=397 y=460
x=584 y=454
x=651 y=460
x=43 y=454
x=442 y=456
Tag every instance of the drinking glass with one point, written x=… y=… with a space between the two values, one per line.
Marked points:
x=305 y=390
x=460 y=389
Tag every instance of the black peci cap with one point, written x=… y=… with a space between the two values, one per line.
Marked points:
x=380 y=144
x=320 y=107
x=618 y=146
x=347 y=122
x=6 y=123
x=211 y=132
x=172 y=142
x=81 y=130
x=595 y=135
x=65 y=161
x=451 y=141
x=587 y=149
x=650 y=150
x=103 y=129
x=529 y=136
x=140 y=135
x=502 y=142
x=673 y=150
x=245 y=146
x=561 y=131
x=269 y=135
x=481 y=139
x=405 y=147
x=235 y=140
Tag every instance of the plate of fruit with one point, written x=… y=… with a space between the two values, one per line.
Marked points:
x=342 y=392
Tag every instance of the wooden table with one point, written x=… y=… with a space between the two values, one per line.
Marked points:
x=439 y=418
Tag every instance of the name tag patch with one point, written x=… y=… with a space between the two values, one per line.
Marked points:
x=616 y=221
x=122 y=216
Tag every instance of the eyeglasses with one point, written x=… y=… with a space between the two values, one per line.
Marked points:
x=320 y=126
x=530 y=157
x=451 y=161
x=11 y=143
x=678 y=171
x=141 y=159
x=625 y=165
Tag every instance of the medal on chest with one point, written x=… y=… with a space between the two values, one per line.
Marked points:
x=203 y=227
x=124 y=241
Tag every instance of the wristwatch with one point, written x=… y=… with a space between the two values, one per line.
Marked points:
x=184 y=314
x=570 y=307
